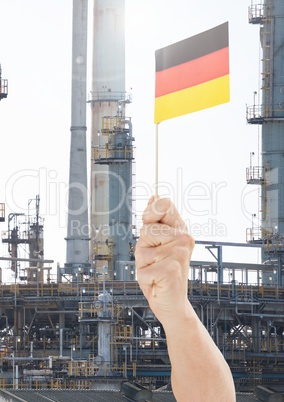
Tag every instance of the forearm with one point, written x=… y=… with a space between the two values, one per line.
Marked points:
x=199 y=371
x=163 y=252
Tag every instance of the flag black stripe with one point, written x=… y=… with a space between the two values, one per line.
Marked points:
x=191 y=48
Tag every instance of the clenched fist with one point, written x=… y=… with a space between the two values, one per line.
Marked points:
x=162 y=256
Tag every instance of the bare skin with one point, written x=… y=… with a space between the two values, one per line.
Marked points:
x=163 y=252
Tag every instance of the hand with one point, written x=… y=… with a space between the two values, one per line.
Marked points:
x=162 y=257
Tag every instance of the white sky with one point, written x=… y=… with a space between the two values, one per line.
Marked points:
x=207 y=151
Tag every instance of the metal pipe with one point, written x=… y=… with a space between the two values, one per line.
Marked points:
x=26 y=358
x=56 y=311
x=261 y=315
x=26 y=259
x=17 y=376
x=129 y=123
x=201 y=313
x=61 y=341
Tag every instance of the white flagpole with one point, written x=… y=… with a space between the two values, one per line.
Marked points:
x=157 y=162
x=156 y=183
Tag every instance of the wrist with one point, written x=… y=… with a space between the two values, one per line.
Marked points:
x=180 y=316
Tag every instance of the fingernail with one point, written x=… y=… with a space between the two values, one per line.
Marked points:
x=151 y=200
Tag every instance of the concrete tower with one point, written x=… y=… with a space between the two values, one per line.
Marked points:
x=111 y=142
x=111 y=167
x=270 y=16
x=77 y=257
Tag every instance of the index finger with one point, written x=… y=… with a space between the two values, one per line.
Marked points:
x=164 y=211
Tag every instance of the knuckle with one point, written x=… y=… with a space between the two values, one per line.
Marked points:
x=138 y=256
x=186 y=240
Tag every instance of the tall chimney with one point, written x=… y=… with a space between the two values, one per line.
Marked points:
x=77 y=255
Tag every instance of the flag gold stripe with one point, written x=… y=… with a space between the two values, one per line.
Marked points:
x=189 y=100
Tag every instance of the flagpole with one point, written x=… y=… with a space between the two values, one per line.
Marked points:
x=157 y=162
x=156 y=184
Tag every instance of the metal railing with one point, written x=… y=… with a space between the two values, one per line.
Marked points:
x=255 y=175
x=109 y=96
x=3 y=88
x=253 y=234
x=260 y=113
x=106 y=152
x=255 y=13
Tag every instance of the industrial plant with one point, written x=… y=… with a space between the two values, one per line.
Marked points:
x=91 y=328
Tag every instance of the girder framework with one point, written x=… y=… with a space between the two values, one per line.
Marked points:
x=246 y=322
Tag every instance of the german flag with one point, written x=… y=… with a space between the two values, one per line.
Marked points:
x=192 y=74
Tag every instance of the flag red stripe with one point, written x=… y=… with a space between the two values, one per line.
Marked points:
x=195 y=72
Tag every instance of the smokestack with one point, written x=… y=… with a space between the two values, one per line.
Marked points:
x=109 y=130
x=77 y=255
